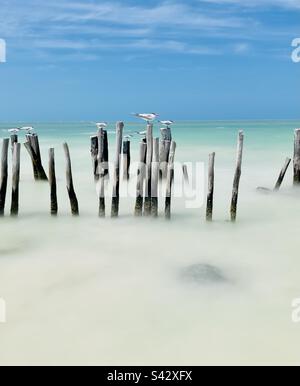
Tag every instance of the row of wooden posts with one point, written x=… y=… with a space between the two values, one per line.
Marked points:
x=156 y=161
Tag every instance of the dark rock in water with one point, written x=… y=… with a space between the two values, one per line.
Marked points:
x=203 y=274
x=263 y=190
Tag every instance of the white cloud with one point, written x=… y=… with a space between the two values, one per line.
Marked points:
x=290 y=4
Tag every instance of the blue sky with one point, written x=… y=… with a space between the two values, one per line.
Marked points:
x=192 y=59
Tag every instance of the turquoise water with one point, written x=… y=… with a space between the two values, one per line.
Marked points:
x=99 y=291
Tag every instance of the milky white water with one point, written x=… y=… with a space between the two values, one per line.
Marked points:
x=93 y=291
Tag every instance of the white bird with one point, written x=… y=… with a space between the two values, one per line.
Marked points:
x=128 y=136
x=29 y=129
x=147 y=117
x=15 y=130
x=143 y=133
x=166 y=123
x=101 y=125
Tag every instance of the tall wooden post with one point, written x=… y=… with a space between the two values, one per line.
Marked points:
x=4 y=174
x=282 y=174
x=140 y=180
x=149 y=139
x=155 y=178
x=70 y=185
x=52 y=183
x=170 y=179
x=237 y=176
x=14 y=211
x=297 y=158
x=210 y=194
x=101 y=173
x=116 y=183
x=126 y=160
x=165 y=143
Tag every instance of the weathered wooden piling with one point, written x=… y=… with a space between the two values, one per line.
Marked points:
x=165 y=143
x=4 y=174
x=94 y=155
x=13 y=139
x=126 y=160
x=140 y=180
x=237 y=176
x=155 y=178
x=116 y=183
x=14 y=210
x=33 y=147
x=100 y=162
x=105 y=154
x=170 y=180
x=185 y=174
x=211 y=181
x=149 y=140
x=297 y=157
x=282 y=174
x=70 y=185
x=52 y=183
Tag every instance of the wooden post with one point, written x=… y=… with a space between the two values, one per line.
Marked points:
x=94 y=154
x=13 y=140
x=33 y=148
x=149 y=140
x=116 y=184
x=52 y=182
x=105 y=154
x=4 y=175
x=170 y=179
x=185 y=174
x=70 y=185
x=155 y=178
x=297 y=158
x=165 y=143
x=126 y=160
x=210 y=194
x=14 y=211
x=282 y=174
x=140 y=180
x=237 y=176
x=100 y=159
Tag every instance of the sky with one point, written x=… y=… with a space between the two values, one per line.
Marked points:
x=70 y=60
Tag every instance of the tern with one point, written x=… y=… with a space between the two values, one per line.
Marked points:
x=15 y=130
x=147 y=117
x=29 y=129
x=101 y=125
x=166 y=123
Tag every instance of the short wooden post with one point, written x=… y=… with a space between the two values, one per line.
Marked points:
x=126 y=160
x=282 y=174
x=155 y=178
x=165 y=142
x=170 y=179
x=140 y=180
x=105 y=154
x=297 y=158
x=185 y=174
x=237 y=176
x=70 y=185
x=116 y=183
x=14 y=211
x=210 y=194
x=149 y=140
x=100 y=162
x=4 y=175
x=52 y=183
x=94 y=154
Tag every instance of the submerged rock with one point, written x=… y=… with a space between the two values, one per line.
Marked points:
x=203 y=274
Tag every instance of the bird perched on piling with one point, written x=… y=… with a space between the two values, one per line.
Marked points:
x=101 y=125
x=14 y=130
x=166 y=123
x=149 y=118
x=28 y=129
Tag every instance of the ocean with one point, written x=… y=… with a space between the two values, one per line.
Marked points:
x=114 y=291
